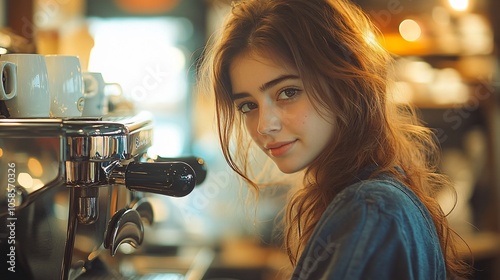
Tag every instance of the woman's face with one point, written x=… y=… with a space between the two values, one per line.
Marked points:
x=278 y=113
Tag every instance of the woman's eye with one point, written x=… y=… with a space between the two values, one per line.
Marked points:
x=288 y=93
x=247 y=107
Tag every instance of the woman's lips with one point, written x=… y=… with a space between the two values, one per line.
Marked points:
x=278 y=149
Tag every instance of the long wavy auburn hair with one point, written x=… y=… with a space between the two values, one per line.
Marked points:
x=346 y=73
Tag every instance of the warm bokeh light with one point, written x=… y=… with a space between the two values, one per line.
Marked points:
x=441 y=16
x=410 y=30
x=448 y=88
x=35 y=167
x=459 y=5
x=25 y=180
x=476 y=36
x=37 y=184
x=418 y=72
x=401 y=92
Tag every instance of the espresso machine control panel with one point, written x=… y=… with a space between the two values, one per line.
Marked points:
x=79 y=189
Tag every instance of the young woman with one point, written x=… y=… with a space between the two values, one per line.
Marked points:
x=306 y=80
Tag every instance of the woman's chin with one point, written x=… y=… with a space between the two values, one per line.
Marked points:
x=289 y=169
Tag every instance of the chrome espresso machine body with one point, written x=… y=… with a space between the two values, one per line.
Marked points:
x=72 y=188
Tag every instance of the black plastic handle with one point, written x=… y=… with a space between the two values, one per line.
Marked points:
x=198 y=165
x=167 y=178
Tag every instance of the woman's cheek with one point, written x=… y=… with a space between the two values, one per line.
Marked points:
x=251 y=126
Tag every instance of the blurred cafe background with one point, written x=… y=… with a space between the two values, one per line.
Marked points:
x=447 y=66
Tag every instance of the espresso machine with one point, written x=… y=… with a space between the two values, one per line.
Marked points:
x=74 y=189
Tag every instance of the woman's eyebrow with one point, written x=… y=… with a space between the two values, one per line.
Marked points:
x=266 y=85
x=277 y=81
x=236 y=96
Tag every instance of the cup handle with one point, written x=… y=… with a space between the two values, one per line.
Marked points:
x=90 y=85
x=113 y=89
x=8 y=75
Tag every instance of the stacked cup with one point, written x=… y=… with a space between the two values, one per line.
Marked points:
x=25 y=87
x=66 y=86
x=37 y=86
x=97 y=93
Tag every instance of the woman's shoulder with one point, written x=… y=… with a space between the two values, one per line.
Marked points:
x=384 y=192
x=373 y=223
x=383 y=198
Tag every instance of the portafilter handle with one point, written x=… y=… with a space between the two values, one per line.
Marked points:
x=167 y=178
x=198 y=164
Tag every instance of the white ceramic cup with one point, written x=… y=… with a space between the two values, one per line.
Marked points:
x=66 y=86
x=96 y=94
x=26 y=93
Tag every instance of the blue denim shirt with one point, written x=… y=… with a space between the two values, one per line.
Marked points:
x=374 y=229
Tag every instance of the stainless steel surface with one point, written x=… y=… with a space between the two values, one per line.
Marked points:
x=76 y=201
x=124 y=227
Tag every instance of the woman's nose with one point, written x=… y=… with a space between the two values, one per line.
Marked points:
x=269 y=121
